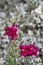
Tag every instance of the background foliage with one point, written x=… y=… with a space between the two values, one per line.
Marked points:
x=28 y=14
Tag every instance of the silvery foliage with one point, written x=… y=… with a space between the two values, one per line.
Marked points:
x=31 y=14
x=34 y=18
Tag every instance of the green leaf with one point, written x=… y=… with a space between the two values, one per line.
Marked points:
x=10 y=60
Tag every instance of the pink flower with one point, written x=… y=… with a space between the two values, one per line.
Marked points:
x=28 y=50
x=23 y=50
x=11 y=31
x=32 y=50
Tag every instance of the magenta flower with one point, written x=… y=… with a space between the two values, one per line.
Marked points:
x=32 y=50
x=23 y=50
x=12 y=31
